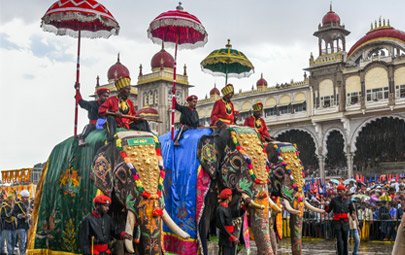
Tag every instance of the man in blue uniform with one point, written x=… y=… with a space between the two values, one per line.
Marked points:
x=22 y=211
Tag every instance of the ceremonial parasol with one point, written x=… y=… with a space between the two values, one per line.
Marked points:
x=79 y=18
x=227 y=62
x=348 y=181
x=335 y=181
x=178 y=29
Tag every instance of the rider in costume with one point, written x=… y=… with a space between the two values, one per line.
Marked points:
x=118 y=106
x=189 y=117
x=341 y=207
x=100 y=226
x=223 y=112
x=92 y=108
x=257 y=122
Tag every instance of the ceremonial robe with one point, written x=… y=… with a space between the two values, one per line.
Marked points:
x=114 y=104
x=258 y=124
x=92 y=109
x=222 y=111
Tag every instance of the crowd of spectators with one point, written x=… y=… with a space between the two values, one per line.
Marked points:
x=379 y=207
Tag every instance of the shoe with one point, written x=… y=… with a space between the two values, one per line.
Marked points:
x=82 y=142
x=176 y=143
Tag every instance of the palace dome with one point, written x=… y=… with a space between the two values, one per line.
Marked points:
x=147 y=112
x=162 y=56
x=214 y=91
x=117 y=70
x=330 y=17
x=379 y=34
x=261 y=82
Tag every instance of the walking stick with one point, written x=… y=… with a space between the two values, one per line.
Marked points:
x=92 y=245
x=134 y=117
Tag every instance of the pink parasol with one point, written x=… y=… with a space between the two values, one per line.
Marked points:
x=78 y=18
x=178 y=29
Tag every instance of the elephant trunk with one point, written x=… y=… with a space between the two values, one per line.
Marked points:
x=274 y=206
x=313 y=208
x=173 y=226
x=252 y=203
x=289 y=208
x=129 y=228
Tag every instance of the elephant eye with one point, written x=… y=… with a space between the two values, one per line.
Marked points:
x=121 y=174
x=236 y=162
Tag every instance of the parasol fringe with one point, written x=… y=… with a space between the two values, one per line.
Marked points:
x=84 y=33
x=177 y=22
x=184 y=46
x=227 y=61
x=230 y=75
x=57 y=17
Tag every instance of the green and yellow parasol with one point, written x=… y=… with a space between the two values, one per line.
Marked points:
x=227 y=62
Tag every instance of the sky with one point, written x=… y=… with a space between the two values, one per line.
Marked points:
x=37 y=68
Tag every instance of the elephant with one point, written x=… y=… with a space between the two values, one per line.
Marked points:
x=128 y=170
x=234 y=158
x=287 y=181
x=131 y=171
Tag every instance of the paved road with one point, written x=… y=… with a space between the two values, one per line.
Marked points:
x=320 y=247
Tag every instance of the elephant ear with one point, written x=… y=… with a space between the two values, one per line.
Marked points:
x=101 y=172
x=207 y=155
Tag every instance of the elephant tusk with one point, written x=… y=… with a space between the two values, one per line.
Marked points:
x=252 y=203
x=313 y=208
x=173 y=226
x=129 y=228
x=289 y=208
x=274 y=206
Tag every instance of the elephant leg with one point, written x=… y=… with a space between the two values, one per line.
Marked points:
x=273 y=238
x=296 y=234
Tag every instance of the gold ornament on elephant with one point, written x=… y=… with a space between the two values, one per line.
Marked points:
x=289 y=154
x=252 y=146
x=145 y=158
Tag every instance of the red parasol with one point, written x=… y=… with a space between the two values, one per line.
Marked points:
x=78 y=18
x=177 y=29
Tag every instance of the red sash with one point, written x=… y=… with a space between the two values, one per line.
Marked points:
x=230 y=229
x=97 y=248
x=341 y=216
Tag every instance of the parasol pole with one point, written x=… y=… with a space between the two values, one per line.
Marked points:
x=174 y=84
x=77 y=85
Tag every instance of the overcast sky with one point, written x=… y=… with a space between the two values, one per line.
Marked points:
x=37 y=71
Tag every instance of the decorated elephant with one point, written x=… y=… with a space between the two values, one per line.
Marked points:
x=130 y=171
x=287 y=182
x=235 y=159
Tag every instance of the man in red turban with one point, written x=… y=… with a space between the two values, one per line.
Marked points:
x=227 y=240
x=92 y=108
x=341 y=207
x=257 y=122
x=100 y=226
x=189 y=117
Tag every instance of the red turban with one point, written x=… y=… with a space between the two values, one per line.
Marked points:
x=192 y=97
x=225 y=194
x=341 y=186
x=101 y=91
x=101 y=199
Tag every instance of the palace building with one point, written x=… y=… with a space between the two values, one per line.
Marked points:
x=348 y=112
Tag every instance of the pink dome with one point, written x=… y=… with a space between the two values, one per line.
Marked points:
x=261 y=82
x=117 y=70
x=168 y=60
x=214 y=91
x=331 y=17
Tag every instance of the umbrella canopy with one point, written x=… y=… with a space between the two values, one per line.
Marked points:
x=178 y=28
x=227 y=62
x=68 y=17
x=348 y=181
x=335 y=181
x=79 y=18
